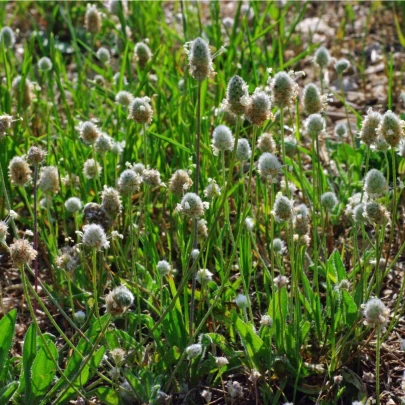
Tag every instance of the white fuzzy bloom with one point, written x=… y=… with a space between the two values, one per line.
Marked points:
x=193 y=351
x=204 y=276
x=249 y=224
x=222 y=139
x=266 y=321
x=91 y=169
x=376 y=313
x=163 y=267
x=242 y=301
x=73 y=204
x=192 y=206
x=268 y=165
x=243 y=150
x=195 y=253
x=95 y=237
x=221 y=361
x=103 y=54
x=80 y=317
x=235 y=389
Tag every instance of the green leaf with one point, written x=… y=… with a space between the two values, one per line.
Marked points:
x=106 y=395
x=255 y=348
x=43 y=372
x=351 y=308
x=7 y=392
x=175 y=331
x=7 y=325
x=29 y=354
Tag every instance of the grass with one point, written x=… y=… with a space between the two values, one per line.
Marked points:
x=299 y=335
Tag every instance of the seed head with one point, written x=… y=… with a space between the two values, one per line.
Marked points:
x=140 y=110
x=129 y=182
x=164 y=268
x=89 y=132
x=5 y=124
x=19 y=171
x=45 y=64
x=341 y=66
x=237 y=96
x=376 y=313
x=91 y=169
x=202 y=229
x=315 y=125
x=313 y=102
x=340 y=130
x=73 y=204
x=7 y=37
x=391 y=128
x=204 y=276
x=103 y=144
x=35 y=155
x=94 y=237
x=124 y=98
x=259 y=108
x=249 y=224
x=180 y=182
x=111 y=202
x=192 y=206
x=103 y=55
x=222 y=139
x=119 y=300
x=92 y=19
x=27 y=90
x=138 y=168
x=268 y=165
x=380 y=144
x=242 y=301
x=151 y=177
x=284 y=90
x=375 y=184
x=21 y=252
x=199 y=59
x=3 y=232
x=283 y=208
x=376 y=213
x=193 y=351
x=329 y=201
x=280 y=282
x=49 y=180
x=266 y=143
x=99 y=80
x=243 y=150
x=322 y=57
x=371 y=122
x=142 y=54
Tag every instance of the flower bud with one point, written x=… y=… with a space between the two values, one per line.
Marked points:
x=237 y=96
x=45 y=64
x=283 y=208
x=180 y=182
x=129 y=182
x=315 y=125
x=266 y=143
x=375 y=184
x=73 y=204
x=391 y=128
x=242 y=301
x=259 y=108
x=341 y=66
x=376 y=313
x=192 y=206
x=103 y=54
x=119 y=300
x=368 y=132
x=243 y=150
x=27 y=90
x=35 y=155
x=268 y=165
x=91 y=169
x=313 y=102
x=322 y=57
x=142 y=54
x=164 y=268
x=124 y=98
x=111 y=202
x=200 y=59
x=7 y=37
x=222 y=139
x=329 y=201
x=94 y=236
x=103 y=144
x=284 y=90
x=92 y=19
x=89 y=132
